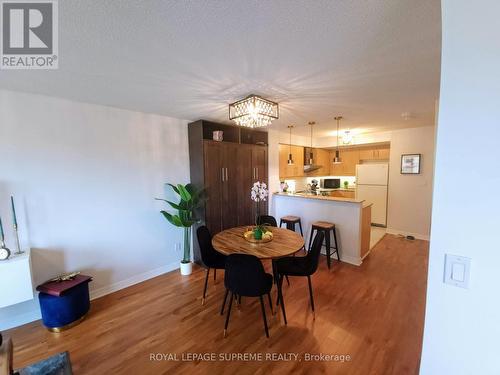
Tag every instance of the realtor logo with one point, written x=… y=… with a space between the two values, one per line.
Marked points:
x=29 y=34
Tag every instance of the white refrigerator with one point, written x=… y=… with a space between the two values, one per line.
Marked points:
x=371 y=185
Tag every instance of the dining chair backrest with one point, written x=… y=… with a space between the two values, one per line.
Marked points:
x=205 y=241
x=313 y=255
x=245 y=275
x=267 y=220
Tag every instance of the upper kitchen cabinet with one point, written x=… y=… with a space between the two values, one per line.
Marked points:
x=335 y=169
x=374 y=153
x=383 y=153
x=349 y=157
x=321 y=158
x=297 y=168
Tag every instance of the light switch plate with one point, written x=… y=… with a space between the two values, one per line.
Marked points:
x=456 y=270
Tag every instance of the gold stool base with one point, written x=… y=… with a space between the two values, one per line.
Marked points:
x=67 y=326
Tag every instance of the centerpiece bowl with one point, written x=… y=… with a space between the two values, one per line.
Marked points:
x=266 y=236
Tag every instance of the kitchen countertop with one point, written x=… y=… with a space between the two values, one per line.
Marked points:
x=320 y=197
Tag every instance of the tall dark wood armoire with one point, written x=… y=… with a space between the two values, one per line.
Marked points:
x=227 y=169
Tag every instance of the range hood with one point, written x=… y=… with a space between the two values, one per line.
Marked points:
x=308 y=167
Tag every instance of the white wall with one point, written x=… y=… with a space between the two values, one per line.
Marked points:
x=462 y=328
x=85 y=178
x=410 y=196
x=358 y=139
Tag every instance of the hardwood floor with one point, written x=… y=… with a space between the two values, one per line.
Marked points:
x=373 y=313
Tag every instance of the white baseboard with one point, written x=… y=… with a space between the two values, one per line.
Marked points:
x=345 y=258
x=30 y=316
x=20 y=319
x=136 y=279
x=418 y=236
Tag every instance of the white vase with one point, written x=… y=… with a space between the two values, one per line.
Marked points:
x=186 y=268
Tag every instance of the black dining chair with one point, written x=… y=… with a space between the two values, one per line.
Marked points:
x=299 y=266
x=267 y=220
x=210 y=258
x=245 y=276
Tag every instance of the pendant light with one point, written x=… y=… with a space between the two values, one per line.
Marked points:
x=311 y=161
x=290 y=160
x=309 y=165
x=337 y=159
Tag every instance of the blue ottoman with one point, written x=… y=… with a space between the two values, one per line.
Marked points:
x=64 y=304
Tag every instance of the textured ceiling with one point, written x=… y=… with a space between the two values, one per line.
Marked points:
x=368 y=60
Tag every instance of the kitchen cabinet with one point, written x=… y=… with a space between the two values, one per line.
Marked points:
x=322 y=158
x=366 y=220
x=374 y=153
x=383 y=153
x=335 y=169
x=295 y=170
x=343 y=194
x=349 y=157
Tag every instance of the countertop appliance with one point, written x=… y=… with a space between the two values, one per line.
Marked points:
x=371 y=185
x=330 y=183
x=314 y=185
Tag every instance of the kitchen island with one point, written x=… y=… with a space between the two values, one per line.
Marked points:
x=352 y=218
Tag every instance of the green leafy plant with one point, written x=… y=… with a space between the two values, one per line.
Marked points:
x=191 y=198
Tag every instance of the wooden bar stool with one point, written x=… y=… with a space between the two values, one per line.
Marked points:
x=326 y=227
x=290 y=222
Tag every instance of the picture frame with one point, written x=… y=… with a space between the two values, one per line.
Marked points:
x=410 y=163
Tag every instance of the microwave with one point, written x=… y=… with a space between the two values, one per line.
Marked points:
x=329 y=183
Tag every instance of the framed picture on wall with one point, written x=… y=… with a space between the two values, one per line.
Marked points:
x=410 y=163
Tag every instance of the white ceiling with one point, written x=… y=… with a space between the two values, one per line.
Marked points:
x=368 y=60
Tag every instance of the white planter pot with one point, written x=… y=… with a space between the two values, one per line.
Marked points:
x=186 y=268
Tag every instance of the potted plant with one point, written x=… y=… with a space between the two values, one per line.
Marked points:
x=190 y=199
x=258 y=193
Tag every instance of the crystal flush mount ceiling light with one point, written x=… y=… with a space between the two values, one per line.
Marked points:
x=253 y=111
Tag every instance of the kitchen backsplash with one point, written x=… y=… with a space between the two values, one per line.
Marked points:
x=300 y=183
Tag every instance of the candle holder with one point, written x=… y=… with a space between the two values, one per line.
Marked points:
x=18 y=244
x=14 y=223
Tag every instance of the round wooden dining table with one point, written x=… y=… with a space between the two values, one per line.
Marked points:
x=231 y=241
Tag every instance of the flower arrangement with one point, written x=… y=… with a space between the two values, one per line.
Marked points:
x=258 y=193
